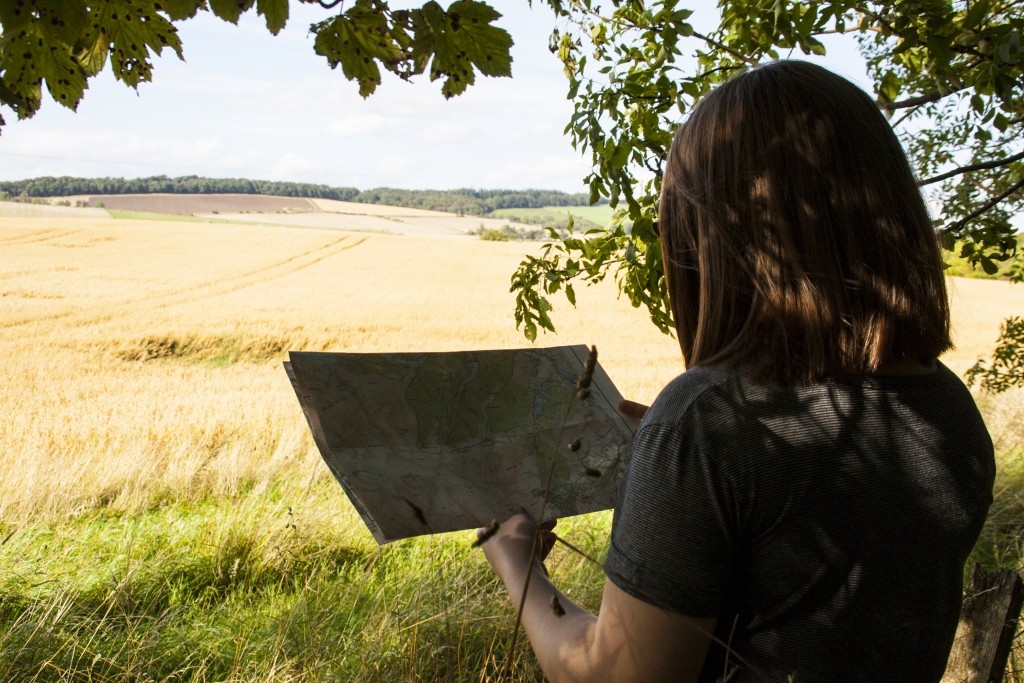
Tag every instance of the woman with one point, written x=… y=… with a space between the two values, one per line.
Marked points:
x=801 y=501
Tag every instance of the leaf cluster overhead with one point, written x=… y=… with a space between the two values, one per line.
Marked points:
x=63 y=43
x=947 y=73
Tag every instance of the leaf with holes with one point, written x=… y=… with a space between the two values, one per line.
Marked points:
x=356 y=40
x=27 y=60
x=15 y=16
x=21 y=75
x=486 y=46
x=128 y=30
x=456 y=41
x=179 y=10
x=59 y=20
x=230 y=10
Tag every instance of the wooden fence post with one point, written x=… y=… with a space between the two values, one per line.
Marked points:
x=988 y=623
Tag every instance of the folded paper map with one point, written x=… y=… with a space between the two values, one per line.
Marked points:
x=424 y=443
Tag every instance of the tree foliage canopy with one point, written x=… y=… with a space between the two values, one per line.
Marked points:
x=948 y=73
x=64 y=43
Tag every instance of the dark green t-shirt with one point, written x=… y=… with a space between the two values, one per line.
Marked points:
x=826 y=526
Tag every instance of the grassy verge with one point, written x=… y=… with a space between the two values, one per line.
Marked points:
x=284 y=585
x=599 y=215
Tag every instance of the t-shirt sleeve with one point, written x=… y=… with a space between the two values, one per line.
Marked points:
x=673 y=531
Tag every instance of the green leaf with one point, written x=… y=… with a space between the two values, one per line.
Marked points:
x=456 y=41
x=276 y=13
x=890 y=87
x=988 y=265
x=230 y=10
x=620 y=155
x=29 y=59
x=356 y=40
x=179 y=10
x=570 y=293
x=815 y=46
x=128 y=30
x=15 y=17
x=63 y=20
x=940 y=47
x=977 y=12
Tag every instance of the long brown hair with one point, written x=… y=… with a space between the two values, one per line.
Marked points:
x=795 y=239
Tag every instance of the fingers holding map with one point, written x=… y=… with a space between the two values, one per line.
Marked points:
x=425 y=443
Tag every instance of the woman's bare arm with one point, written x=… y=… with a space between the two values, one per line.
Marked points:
x=631 y=640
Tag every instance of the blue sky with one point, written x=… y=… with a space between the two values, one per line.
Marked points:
x=248 y=104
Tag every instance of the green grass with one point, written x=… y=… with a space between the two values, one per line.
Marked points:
x=278 y=585
x=284 y=583
x=599 y=215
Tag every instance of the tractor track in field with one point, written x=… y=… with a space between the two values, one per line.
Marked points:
x=211 y=288
x=259 y=275
x=36 y=237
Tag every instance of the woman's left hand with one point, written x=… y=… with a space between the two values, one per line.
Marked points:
x=509 y=549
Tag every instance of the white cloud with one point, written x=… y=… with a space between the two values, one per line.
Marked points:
x=361 y=125
x=396 y=164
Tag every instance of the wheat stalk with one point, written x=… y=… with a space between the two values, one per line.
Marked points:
x=582 y=392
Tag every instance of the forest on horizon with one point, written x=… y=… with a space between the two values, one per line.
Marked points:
x=463 y=201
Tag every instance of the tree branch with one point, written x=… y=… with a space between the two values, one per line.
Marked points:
x=985 y=207
x=722 y=46
x=914 y=101
x=972 y=167
x=907 y=115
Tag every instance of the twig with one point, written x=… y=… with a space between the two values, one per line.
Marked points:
x=972 y=167
x=907 y=115
x=985 y=207
x=576 y=550
x=722 y=46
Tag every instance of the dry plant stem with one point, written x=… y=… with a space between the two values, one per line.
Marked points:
x=576 y=550
x=536 y=539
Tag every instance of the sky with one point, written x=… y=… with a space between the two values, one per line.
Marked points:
x=248 y=104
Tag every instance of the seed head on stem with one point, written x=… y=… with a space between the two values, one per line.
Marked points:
x=487 y=533
x=582 y=392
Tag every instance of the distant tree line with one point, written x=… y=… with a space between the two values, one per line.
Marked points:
x=463 y=201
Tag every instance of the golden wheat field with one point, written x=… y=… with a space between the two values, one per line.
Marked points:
x=141 y=358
